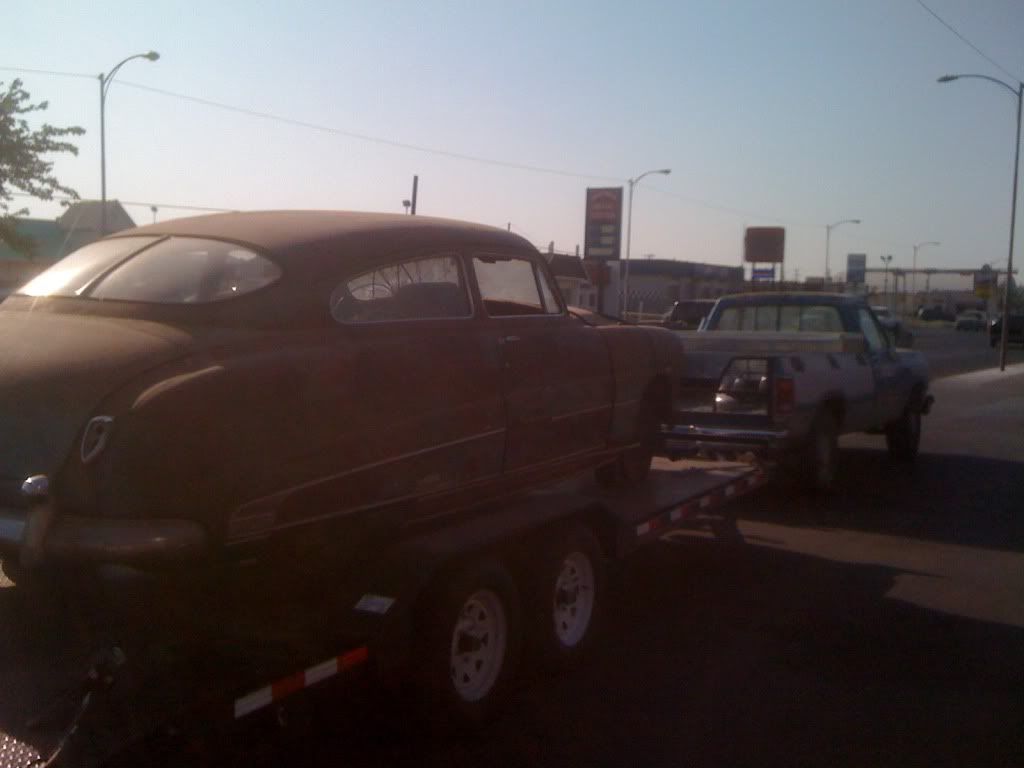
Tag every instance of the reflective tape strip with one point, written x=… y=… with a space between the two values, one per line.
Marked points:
x=286 y=686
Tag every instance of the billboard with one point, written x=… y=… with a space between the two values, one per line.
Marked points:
x=856 y=268
x=764 y=245
x=763 y=275
x=603 y=226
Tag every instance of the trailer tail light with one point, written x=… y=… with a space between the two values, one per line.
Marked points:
x=785 y=396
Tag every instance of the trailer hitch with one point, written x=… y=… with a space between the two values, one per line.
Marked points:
x=101 y=675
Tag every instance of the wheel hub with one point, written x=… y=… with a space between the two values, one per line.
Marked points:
x=478 y=645
x=574 y=599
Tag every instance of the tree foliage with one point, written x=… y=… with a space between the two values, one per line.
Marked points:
x=23 y=163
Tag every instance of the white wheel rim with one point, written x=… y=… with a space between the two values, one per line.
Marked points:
x=478 y=645
x=574 y=599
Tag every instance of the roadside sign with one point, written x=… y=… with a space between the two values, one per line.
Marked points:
x=603 y=226
x=985 y=280
x=764 y=245
x=856 y=268
x=762 y=274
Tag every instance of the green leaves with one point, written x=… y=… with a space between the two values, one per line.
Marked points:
x=23 y=163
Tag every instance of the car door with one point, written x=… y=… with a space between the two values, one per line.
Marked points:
x=407 y=401
x=555 y=370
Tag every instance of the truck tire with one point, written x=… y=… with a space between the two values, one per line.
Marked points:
x=469 y=638
x=632 y=466
x=903 y=437
x=820 y=460
x=565 y=598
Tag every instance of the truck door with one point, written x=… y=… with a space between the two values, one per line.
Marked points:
x=888 y=373
x=556 y=377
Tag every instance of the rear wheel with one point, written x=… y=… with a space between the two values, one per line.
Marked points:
x=566 y=597
x=632 y=466
x=470 y=632
x=817 y=465
x=903 y=438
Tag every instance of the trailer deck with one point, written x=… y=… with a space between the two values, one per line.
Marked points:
x=212 y=653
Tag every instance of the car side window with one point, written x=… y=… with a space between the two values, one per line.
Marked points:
x=425 y=288
x=512 y=286
x=872 y=334
x=551 y=305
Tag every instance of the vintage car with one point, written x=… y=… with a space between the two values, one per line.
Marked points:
x=187 y=390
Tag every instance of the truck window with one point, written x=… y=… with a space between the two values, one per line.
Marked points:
x=872 y=334
x=789 y=319
x=766 y=317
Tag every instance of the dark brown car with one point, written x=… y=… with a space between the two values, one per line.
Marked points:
x=180 y=390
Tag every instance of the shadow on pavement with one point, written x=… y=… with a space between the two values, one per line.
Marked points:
x=962 y=500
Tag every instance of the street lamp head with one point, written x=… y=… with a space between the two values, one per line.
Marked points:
x=948 y=78
x=855 y=221
x=664 y=171
x=152 y=55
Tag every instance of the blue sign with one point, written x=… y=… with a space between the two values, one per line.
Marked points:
x=762 y=274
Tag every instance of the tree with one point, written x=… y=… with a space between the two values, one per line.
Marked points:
x=22 y=159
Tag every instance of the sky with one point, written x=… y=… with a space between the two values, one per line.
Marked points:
x=796 y=113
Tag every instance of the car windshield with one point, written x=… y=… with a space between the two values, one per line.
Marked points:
x=174 y=270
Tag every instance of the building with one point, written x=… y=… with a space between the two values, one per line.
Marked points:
x=573 y=281
x=50 y=240
x=654 y=284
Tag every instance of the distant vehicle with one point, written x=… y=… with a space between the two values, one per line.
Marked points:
x=782 y=375
x=688 y=314
x=893 y=326
x=1016 y=335
x=935 y=313
x=971 y=320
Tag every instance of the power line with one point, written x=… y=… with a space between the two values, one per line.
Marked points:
x=172 y=206
x=47 y=72
x=976 y=49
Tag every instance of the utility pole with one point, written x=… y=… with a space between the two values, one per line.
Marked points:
x=415 y=189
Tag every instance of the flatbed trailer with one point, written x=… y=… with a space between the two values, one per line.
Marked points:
x=153 y=663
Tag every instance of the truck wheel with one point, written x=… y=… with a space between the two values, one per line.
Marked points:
x=821 y=459
x=470 y=634
x=903 y=438
x=566 y=597
x=632 y=466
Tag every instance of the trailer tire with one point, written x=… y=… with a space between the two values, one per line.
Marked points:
x=470 y=636
x=565 y=598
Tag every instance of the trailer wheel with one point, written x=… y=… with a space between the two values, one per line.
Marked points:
x=471 y=634
x=819 y=461
x=566 y=598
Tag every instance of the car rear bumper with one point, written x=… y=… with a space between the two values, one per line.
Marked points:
x=684 y=439
x=37 y=535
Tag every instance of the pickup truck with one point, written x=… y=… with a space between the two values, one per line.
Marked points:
x=782 y=375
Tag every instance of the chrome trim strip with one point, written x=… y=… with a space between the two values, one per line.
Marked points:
x=724 y=433
x=582 y=412
x=364 y=467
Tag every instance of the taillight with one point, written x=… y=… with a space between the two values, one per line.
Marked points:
x=785 y=396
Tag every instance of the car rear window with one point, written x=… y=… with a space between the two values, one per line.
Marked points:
x=793 y=318
x=173 y=270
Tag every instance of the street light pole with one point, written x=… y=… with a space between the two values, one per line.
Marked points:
x=913 y=270
x=105 y=81
x=885 y=284
x=1019 y=93
x=828 y=242
x=624 y=300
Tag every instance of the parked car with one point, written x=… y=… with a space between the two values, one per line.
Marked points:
x=687 y=314
x=971 y=320
x=935 y=313
x=782 y=375
x=1015 y=334
x=892 y=325
x=191 y=389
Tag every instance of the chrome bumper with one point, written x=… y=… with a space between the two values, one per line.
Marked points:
x=682 y=439
x=37 y=535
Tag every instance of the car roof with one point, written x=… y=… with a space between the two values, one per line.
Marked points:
x=291 y=234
